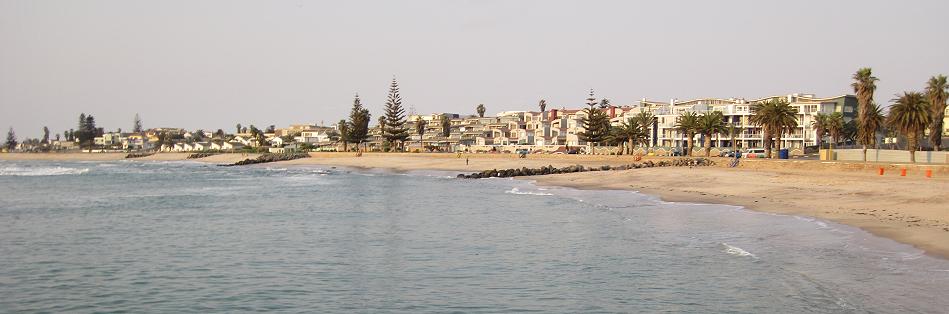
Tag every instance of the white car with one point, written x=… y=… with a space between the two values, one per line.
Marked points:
x=754 y=153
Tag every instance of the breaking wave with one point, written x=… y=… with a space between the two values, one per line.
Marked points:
x=519 y=192
x=41 y=171
x=737 y=251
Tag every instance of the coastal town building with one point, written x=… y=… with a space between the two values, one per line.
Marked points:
x=737 y=111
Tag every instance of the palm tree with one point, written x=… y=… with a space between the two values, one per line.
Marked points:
x=864 y=85
x=775 y=116
x=733 y=130
x=820 y=126
x=630 y=131
x=480 y=109
x=645 y=120
x=874 y=122
x=835 y=125
x=687 y=123
x=543 y=107
x=420 y=129
x=710 y=123
x=910 y=114
x=938 y=91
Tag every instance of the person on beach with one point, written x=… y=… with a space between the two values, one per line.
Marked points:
x=466 y=161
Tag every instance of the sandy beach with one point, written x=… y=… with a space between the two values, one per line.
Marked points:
x=913 y=209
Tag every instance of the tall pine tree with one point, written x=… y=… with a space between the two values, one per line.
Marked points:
x=596 y=123
x=11 y=142
x=358 y=122
x=393 y=128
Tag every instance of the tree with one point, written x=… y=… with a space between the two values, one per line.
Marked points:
x=850 y=132
x=543 y=107
x=733 y=130
x=271 y=129
x=358 y=122
x=382 y=129
x=446 y=126
x=420 y=130
x=775 y=116
x=938 y=92
x=596 y=124
x=630 y=131
x=45 y=140
x=480 y=109
x=835 y=126
x=645 y=119
x=873 y=122
x=604 y=103
x=688 y=124
x=710 y=123
x=343 y=127
x=11 y=142
x=238 y=128
x=257 y=135
x=864 y=86
x=393 y=121
x=219 y=134
x=820 y=126
x=87 y=131
x=137 y=124
x=910 y=114
x=198 y=135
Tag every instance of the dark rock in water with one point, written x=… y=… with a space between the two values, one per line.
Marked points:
x=201 y=155
x=460 y=176
x=550 y=169
x=265 y=158
x=138 y=155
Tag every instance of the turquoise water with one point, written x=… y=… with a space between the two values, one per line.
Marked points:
x=183 y=237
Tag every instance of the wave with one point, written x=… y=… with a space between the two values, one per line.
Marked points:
x=737 y=251
x=41 y=171
x=518 y=192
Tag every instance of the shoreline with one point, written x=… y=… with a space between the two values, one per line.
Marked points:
x=909 y=210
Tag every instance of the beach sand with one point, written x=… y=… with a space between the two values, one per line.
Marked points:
x=913 y=209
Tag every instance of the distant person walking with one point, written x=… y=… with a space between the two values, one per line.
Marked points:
x=466 y=161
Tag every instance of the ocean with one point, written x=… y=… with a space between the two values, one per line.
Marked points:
x=190 y=237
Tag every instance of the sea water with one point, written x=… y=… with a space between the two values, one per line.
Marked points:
x=188 y=237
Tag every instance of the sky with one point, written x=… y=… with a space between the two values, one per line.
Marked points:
x=213 y=64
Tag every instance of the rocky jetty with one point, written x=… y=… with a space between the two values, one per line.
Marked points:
x=138 y=155
x=523 y=172
x=265 y=158
x=201 y=155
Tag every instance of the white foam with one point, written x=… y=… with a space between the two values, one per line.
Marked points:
x=519 y=192
x=41 y=171
x=737 y=251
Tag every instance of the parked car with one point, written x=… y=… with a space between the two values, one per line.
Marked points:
x=726 y=152
x=754 y=153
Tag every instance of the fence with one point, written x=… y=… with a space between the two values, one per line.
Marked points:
x=888 y=155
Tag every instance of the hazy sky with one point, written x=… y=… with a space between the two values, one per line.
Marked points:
x=212 y=64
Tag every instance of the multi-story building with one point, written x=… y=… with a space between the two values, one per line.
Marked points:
x=737 y=111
